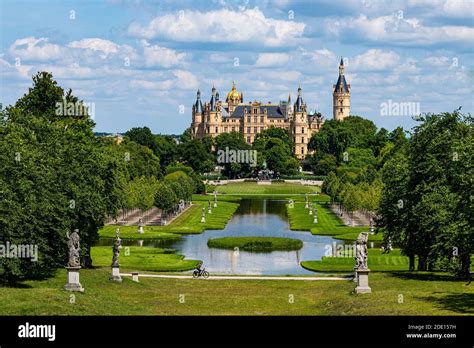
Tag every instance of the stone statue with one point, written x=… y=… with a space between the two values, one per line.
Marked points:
x=74 y=249
x=116 y=250
x=361 y=251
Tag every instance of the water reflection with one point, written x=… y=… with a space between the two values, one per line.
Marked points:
x=252 y=218
x=255 y=218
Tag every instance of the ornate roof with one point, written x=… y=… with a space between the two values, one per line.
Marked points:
x=234 y=94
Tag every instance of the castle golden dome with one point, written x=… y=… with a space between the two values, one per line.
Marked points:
x=234 y=94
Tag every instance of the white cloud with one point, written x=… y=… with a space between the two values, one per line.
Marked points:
x=272 y=59
x=95 y=44
x=459 y=8
x=223 y=25
x=322 y=57
x=185 y=80
x=399 y=30
x=155 y=55
x=374 y=60
x=31 y=48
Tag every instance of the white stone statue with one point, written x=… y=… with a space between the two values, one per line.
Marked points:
x=361 y=251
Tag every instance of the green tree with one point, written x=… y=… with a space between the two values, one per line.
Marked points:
x=165 y=198
x=55 y=176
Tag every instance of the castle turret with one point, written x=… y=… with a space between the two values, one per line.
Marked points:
x=197 y=126
x=299 y=127
x=341 y=96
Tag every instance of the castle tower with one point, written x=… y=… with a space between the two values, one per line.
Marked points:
x=213 y=121
x=299 y=127
x=197 y=124
x=341 y=96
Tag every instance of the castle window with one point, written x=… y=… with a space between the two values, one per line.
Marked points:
x=225 y=129
x=255 y=110
x=340 y=110
x=233 y=128
x=249 y=119
x=217 y=129
x=248 y=129
x=302 y=149
x=302 y=130
x=302 y=140
x=255 y=119
x=340 y=102
x=261 y=119
x=248 y=139
x=255 y=130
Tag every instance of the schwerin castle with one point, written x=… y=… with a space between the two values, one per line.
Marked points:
x=216 y=117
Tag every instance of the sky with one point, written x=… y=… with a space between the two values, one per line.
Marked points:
x=140 y=63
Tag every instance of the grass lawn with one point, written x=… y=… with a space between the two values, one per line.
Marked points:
x=377 y=261
x=188 y=222
x=328 y=222
x=256 y=243
x=423 y=294
x=252 y=188
x=143 y=259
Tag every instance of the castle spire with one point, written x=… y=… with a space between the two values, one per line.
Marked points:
x=341 y=67
x=198 y=104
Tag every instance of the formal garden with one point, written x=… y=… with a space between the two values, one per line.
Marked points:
x=389 y=213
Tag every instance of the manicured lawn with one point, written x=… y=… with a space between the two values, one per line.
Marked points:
x=422 y=294
x=328 y=222
x=188 y=222
x=252 y=188
x=377 y=261
x=256 y=243
x=136 y=258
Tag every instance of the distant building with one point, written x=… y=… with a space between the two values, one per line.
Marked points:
x=216 y=117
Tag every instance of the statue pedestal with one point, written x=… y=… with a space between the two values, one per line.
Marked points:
x=203 y=219
x=355 y=275
x=140 y=229
x=73 y=283
x=363 y=282
x=135 y=277
x=116 y=274
x=215 y=205
x=209 y=211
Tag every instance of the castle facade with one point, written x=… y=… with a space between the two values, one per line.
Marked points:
x=234 y=115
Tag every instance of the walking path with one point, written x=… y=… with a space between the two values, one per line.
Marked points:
x=221 y=277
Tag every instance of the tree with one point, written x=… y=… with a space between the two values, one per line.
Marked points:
x=142 y=136
x=276 y=154
x=195 y=155
x=427 y=199
x=165 y=198
x=55 y=177
x=166 y=149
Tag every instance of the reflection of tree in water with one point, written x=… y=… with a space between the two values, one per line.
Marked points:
x=262 y=206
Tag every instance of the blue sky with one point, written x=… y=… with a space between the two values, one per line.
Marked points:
x=141 y=62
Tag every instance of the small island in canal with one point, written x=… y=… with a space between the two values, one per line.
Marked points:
x=256 y=243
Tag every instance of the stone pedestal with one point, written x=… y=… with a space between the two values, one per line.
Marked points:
x=363 y=282
x=203 y=219
x=135 y=277
x=116 y=274
x=73 y=283
x=209 y=211
x=140 y=229
x=215 y=205
x=355 y=276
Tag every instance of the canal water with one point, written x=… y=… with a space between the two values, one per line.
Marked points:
x=255 y=218
x=252 y=218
